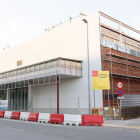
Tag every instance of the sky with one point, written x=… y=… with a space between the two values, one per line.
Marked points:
x=23 y=20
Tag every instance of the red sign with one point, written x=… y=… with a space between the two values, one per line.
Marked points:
x=120 y=85
x=120 y=92
x=100 y=109
x=94 y=73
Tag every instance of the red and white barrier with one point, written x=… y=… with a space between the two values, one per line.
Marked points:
x=92 y=120
x=2 y=114
x=66 y=119
x=44 y=117
x=24 y=116
x=15 y=115
x=72 y=119
x=33 y=117
x=56 y=118
x=7 y=114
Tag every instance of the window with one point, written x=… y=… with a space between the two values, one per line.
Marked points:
x=68 y=63
x=19 y=63
x=116 y=41
x=41 y=66
x=79 y=65
x=47 y=64
x=111 y=39
x=62 y=62
x=107 y=38
x=73 y=64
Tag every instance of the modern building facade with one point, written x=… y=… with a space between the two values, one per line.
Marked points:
x=33 y=73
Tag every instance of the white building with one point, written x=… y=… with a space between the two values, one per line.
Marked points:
x=30 y=71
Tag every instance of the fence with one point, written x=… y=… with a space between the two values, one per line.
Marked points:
x=68 y=105
x=77 y=105
x=106 y=111
x=130 y=112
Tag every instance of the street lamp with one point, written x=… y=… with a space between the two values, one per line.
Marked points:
x=85 y=21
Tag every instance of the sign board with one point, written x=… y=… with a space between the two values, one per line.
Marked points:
x=100 y=109
x=121 y=97
x=106 y=108
x=120 y=85
x=120 y=92
x=3 y=104
x=100 y=80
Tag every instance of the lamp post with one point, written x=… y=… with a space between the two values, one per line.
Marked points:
x=89 y=103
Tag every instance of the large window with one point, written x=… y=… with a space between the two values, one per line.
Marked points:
x=18 y=99
x=3 y=94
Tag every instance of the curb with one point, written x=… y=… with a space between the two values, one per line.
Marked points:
x=137 y=127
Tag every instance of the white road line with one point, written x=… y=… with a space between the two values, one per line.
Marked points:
x=15 y=128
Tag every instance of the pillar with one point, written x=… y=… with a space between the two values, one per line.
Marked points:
x=57 y=94
x=8 y=97
x=30 y=97
x=120 y=37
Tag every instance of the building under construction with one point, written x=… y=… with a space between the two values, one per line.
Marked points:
x=120 y=54
x=30 y=74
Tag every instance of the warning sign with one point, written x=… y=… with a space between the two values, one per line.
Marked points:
x=100 y=80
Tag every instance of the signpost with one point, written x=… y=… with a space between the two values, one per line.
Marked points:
x=120 y=92
x=120 y=85
x=121 y=97
x=100 y=81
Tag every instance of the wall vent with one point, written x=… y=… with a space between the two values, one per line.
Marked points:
x=20 y=63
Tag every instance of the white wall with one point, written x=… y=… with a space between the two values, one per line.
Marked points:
x=69 y=41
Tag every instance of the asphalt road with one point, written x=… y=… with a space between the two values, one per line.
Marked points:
x=20 y=130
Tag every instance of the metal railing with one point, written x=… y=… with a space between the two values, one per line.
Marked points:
x=117 y=47
x=81 y=14
x=106 y=111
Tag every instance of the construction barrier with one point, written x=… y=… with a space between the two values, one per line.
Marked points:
x=2 y=114
x=7 y=114
x=24 y=116
x=56 y=118
x=44 y=117
x=33 y=117
x=15 y=115
x=72 y=119
x=106 y=111
x=92 y=120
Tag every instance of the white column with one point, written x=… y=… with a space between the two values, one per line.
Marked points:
x=30 y=97
x=8 y=97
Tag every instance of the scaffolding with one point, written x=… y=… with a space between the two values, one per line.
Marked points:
x=121 y=57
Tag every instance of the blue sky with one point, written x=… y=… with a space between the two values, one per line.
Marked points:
x=22 y=20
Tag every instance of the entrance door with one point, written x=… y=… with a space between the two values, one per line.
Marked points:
x=18 y=99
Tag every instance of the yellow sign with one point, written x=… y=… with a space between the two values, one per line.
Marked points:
x=100 y=80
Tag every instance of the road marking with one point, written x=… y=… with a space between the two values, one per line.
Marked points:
x=108 y=125
x=119 y=128
x=14 y=128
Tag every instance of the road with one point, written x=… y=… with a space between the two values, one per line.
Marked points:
x=20 y=130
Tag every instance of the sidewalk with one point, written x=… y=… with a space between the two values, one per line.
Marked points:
x=133 y=123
